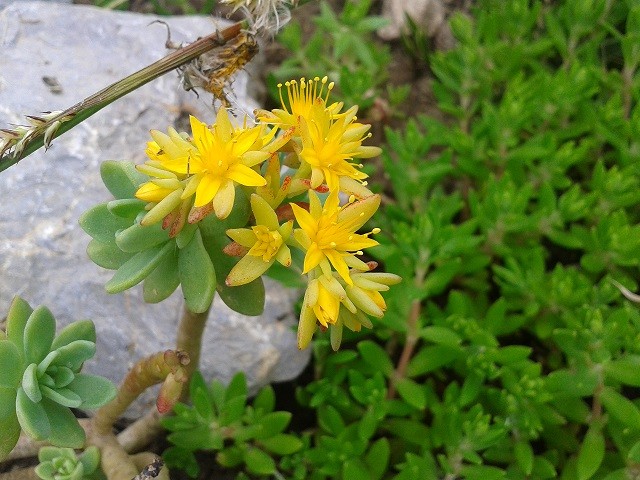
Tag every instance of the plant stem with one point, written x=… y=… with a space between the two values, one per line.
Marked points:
x=161 y=367
x=412 y=330
x=90 y=105
x=189 y=337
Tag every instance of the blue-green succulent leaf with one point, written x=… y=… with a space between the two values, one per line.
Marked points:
x=9 y=425
x=62 y=377
x=38 y=334
x=30 y=383
x=94 y=391
x=32 y=416
x=80 y=330
x=75 y=354
x=90 y=459
x=64 y=396
x=65 y=429
x=46 y=362
x=11 y=361
x=16 y=320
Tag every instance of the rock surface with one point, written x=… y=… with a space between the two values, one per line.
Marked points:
x=42 y=248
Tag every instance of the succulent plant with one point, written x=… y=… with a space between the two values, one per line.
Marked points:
x=63 y=464
x=40 y=380
x=161 y=257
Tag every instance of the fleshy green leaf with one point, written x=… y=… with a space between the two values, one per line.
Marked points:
x=272 y=424
x=62 y=396
x=11 y=361
x=282 y=444
x=75 y=354
x=100 y=224
x=17 y=317
x=94 y=390
x=163 y=281
x=353 y=469
x=412 y=393
x=245 y=299
x=138 y=268
x=121 y=178
x=65 y=429
x=197 y=275
x=107 y=255
x=80 y=330
x=524 y=456
x=32 y=417
x=265 y=400
x=432 y=358
x=38 y=334
x=9 y=425
x=259 y=462
x=377 y=458
x=625 y=370
x=591 y=453
x=30 y=384
x=90 y=459
x=376 y=356
x=126 y=207
x=137 y=238
x=621 y=408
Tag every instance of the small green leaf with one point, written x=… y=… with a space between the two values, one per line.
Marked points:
x=237 y=387
x=524 y=456
x=65 y=429
x=126 y=207
x=354 y=469
x=162 y=281
x=634 y=452
x=202 y=403
x=107 y=255
x=621 y=408
x=625 y=370
x=265 y=400
x=376 y=356
x=186 y=234
x=377 y=458
x=330 y=420
x=412 y=393
x=432 y=358
x=62 y=396
x=80 y=330
x=90 y=459
x=197 y=275
x=100 y=224
x=30 y=383
x=441 y=335
x=9 y=425
x=38 y=334
x=121 y=178
x=138 y=267
x=75 y=354
x=272 y=424
x=17 y=317
x=481 y=472
x=412 y=431
x=367 y=425
x=11 y=361
x=247 y=299
x=259 y=462
x=591 y=453
x=282 y=444
x=232 y=410
x=137 y=238
x=93 y=390
x=32 y=417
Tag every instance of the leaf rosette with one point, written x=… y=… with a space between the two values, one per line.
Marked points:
x=63 y=464
x=41 y=381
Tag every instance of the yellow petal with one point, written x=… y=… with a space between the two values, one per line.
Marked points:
x=246 y=270
x=304 y=219
x=339 y=264
x=245 y=176
x=223 y=201
x=312 y=258
x=207 y=189
x=243 y=236
x=223 y=126
x=263 y=213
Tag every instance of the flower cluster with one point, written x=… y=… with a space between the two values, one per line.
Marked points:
x=310 y=146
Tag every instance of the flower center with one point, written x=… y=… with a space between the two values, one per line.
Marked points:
x=268 y=242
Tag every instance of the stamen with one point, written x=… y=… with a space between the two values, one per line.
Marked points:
x=376 y=231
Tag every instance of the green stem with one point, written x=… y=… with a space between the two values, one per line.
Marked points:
x=90 y=105
x=189 y=337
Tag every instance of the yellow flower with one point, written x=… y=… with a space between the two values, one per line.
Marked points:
x=301 y=97
x=328 y=144
x=328 y=235
x=223 y=156
x=265 y=241
x=321 y=305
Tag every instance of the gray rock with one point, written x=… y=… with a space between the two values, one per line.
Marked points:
x=42 y=249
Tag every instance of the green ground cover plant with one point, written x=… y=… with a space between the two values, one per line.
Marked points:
x=510 y=350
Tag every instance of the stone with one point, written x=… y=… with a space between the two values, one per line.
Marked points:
x=80 y=50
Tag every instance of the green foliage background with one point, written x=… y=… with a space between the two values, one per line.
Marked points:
x=508 y=351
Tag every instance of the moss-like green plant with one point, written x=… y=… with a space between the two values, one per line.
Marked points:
x=40 y=380
x=63 y=464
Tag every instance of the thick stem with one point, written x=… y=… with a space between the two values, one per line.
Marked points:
x=189 y=337
x=141 y=433
x=169 y=366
